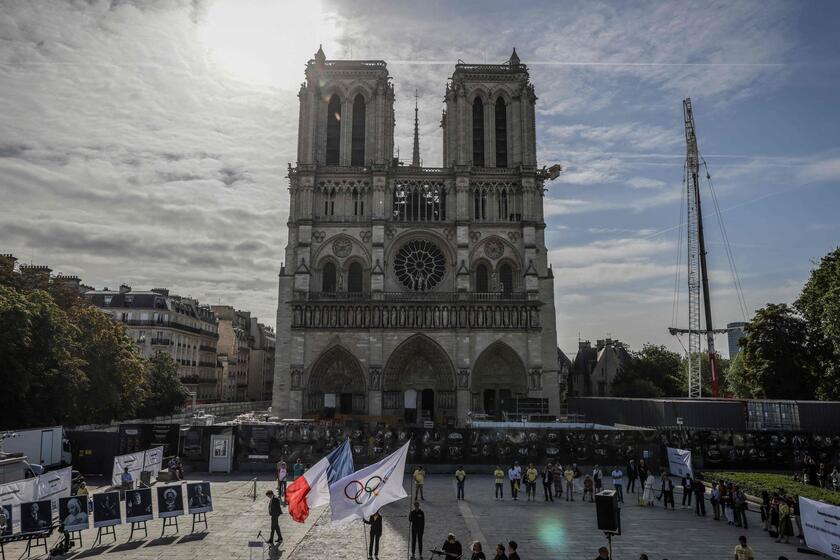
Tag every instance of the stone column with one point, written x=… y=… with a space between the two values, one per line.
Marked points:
x=375 y=391
x=489 y=134
x=346 y=135
x=464 y=397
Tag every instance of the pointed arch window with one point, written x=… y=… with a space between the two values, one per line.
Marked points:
x=478 y=132
x=355 y=280
x=480 y=204
x=482 y=279
x=506 y=279
x=328 y=278
x=329 y=202
x=334 y=130
x=357 y=149
x=501 y=133
x=358 y=202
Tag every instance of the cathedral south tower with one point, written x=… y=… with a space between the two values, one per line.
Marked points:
x=415 y=293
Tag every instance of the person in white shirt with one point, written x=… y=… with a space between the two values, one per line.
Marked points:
x=618 y=483
x=647 y=495
x=515 y=478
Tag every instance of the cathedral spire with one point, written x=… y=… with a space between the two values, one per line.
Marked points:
x=415 y=154
x=320 y=57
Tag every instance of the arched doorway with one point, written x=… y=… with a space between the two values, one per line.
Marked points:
x=419 y=381
x=497 y=377
x=336 y=385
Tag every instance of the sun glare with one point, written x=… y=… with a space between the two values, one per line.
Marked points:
x=266 y=41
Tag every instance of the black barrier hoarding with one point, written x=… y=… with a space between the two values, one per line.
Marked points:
x=35 y=517
x=106 y=509
x=73 y=513
x=198 y=497
x=138 y=505
x=170 y=501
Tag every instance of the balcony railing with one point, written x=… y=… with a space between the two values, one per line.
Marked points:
x=207 y=364
x=205 y=348
x=418 y=296
x=167 y=324
x=161 y=342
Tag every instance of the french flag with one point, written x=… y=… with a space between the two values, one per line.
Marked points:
x=312 y=489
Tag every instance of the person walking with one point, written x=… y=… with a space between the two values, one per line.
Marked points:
x=515 y=478
x=632 y=473
x=375 y=522
x=647 y=495
x=417 y=520
x=275 y=510
x=547 y=480
x=699 y=498
x=477 y=553
x=740 y=508
x=569 y=475
x=687 y=485
x=500 y=552
x=499 y=475
x=419 y=480
x=531 y=476
x=460 y=477
x=557 y=477
x=282 y=473
x=667 y=491
x=742 y=550
x=714 y=499
x=588 y=486
x=597 y=478
x=618 y=483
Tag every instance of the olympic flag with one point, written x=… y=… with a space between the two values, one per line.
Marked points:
x=312 y=489
x=362 y=493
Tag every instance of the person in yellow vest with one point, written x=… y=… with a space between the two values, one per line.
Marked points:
x=569 y=475
x=419 y=480
x=460 y=477
x=531 y=476
x=499 y=475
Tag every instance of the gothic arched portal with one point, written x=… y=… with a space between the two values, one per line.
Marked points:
x=336 y=384
x=419 y=380
x=497 y=376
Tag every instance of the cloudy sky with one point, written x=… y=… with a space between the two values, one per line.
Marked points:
x=147 y=142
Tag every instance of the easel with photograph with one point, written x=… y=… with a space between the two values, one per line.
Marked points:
x=40 y=541
x=199 y=518
x=138 y=525
x=169 y=522
x=108 y=530
x=74 y=535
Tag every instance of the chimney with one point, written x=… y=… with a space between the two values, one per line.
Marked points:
x=7 y=263
x=124 y=288
x=70 y=282
x=35 y=277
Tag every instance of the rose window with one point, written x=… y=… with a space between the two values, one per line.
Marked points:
x=419 y=265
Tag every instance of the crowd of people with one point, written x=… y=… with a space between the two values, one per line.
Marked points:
x=818 y=475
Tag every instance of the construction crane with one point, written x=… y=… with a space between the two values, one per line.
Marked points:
x=698 y=277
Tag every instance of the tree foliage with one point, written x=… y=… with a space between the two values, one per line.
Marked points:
x=165 y=390
x=654 y=371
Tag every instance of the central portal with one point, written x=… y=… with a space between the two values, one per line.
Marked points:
x=419 y=381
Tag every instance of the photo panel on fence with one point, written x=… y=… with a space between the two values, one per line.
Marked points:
x=138 y=505
x=35 y=517
x=106 y=509
x=170 y=501
x=73 y=513
x=6 y=519
x=198 y=497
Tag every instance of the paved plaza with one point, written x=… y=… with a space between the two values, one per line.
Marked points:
x=543 y=530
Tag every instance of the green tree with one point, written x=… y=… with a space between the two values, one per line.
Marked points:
x=737 y=382
x=705 y=373
x=165 y=393
x=819 y=304
x=41 y=376
x=115 y=370
x=777 y=361
x=654 y=371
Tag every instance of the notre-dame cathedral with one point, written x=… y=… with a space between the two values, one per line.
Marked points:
x=414 y=293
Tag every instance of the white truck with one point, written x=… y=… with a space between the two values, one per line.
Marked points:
x=47 y=447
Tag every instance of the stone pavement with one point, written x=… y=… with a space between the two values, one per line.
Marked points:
x=557 y=530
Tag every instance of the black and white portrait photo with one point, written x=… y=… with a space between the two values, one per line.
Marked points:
x=138 y=505
x=106 y=509
x=35 y=516
x=198 y=497
x=170 y=501
x=73 y=513
x=6 y=520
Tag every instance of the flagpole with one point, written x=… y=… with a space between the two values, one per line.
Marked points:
x=364 y=532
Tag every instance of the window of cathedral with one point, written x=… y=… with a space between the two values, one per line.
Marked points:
x=355 y=278
x=328 y=278
x=478 y=132
x=419 y=265
x=419 y=202
x=329 y=202
x=506 y=279
x=480 y=204
x=482 y=279
x=357 y=150
x=501 y=133
x=358 y=203
x=334 y=131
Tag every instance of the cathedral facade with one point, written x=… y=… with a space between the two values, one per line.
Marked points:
x=414 y=293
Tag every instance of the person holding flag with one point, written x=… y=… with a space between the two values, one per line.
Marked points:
x=312 y=488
